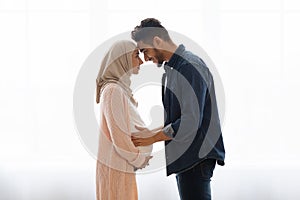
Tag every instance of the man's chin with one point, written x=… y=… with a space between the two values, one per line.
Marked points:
x=159 y=64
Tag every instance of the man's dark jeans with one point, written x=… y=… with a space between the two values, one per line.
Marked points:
x=194 y=183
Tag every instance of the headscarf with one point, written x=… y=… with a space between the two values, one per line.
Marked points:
x=115 y=68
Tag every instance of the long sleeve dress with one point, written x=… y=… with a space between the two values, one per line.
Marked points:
x=117 y=155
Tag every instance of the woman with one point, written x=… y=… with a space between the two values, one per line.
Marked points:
x=118 y=158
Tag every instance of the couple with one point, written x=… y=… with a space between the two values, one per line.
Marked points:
x=192 y=132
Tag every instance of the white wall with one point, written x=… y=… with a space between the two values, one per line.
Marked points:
x=254 y=45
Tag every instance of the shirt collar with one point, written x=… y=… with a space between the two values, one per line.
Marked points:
x=177 y=55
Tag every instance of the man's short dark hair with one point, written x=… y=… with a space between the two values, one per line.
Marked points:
x=148 y=29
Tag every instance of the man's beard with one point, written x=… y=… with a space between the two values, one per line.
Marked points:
x=159 y=57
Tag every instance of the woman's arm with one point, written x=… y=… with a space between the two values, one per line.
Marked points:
x=118 y=122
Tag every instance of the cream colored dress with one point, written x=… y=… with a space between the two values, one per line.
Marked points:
x=117 y=155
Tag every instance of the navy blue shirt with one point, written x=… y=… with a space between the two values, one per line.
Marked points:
x=191 y=112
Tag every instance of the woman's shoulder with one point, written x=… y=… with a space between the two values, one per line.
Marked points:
x=113 y=89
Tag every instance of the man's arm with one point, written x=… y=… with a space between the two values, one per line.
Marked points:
x=192 y=95
x=147 y=137
x=192 y=106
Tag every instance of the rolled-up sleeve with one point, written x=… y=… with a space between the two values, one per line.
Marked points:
x=168 y=131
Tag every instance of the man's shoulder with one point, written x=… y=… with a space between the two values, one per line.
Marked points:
x=192 y=66
x=190 y=58
x=192 y=63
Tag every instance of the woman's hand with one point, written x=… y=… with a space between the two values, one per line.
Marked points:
x=145 y=164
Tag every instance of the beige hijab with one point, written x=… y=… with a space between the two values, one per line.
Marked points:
x=115 y=68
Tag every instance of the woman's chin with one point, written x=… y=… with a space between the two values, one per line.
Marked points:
x=135 y=72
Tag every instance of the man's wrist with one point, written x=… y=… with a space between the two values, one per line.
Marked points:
x=160 y=136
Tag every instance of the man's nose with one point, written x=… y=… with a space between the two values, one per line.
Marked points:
x=146 y=58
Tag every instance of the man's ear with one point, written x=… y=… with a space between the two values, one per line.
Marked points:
x=157 y=42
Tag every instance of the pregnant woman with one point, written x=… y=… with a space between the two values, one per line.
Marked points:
x=118 y=158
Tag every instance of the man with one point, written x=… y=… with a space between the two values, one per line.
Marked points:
x=192 y=132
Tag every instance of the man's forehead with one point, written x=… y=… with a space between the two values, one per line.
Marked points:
x=142 y=46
